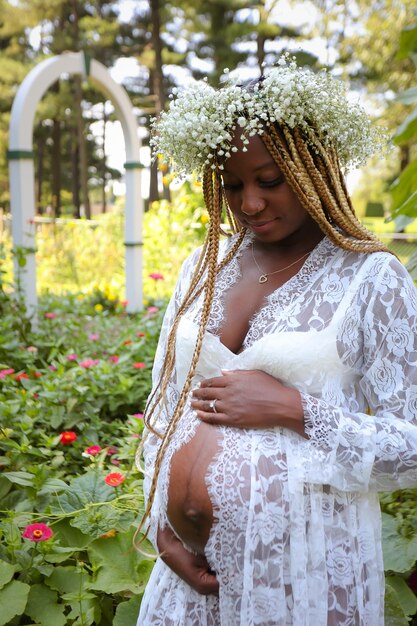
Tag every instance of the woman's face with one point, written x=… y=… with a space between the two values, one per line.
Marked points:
x=261 y=199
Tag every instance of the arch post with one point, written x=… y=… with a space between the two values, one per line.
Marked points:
x=21 y=169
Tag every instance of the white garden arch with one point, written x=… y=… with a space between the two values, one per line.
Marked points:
x=21 y=168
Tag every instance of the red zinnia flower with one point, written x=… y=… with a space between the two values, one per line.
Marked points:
x=37 y=532
x=51 y=315
x=36 y=374
x=140 y=334
x=114 y=479
x=20 y=376
x=68 y=436
x=93 y=450
x=124 y=303
x=139 y=366
x=114 y=358
x=127 y=342
x=156 y=276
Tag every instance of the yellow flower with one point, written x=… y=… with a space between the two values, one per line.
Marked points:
x=109 y=534
x=98 y=307
x=205 y=218
x=80 y=296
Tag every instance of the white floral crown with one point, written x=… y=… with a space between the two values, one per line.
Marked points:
x=200 y=123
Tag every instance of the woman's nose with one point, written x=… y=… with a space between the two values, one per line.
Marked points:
x=252 y=204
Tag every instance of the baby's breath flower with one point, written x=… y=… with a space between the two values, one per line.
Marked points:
x=200 y=123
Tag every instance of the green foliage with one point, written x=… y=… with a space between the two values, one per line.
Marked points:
x=404 y=188
x=88 y=257
x=399 y=543
x=85 y=370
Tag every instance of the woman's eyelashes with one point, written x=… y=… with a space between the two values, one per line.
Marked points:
x=271 y=183
x=262 y=183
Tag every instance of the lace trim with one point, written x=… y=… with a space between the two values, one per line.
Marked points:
x=316 y=422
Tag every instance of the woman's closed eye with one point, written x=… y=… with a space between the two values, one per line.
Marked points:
x=271 y=183
x=275 y=182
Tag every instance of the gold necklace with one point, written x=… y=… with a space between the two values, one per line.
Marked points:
x=263 y=278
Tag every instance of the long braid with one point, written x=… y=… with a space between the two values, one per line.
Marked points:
x=213 y=195
x=322 y=194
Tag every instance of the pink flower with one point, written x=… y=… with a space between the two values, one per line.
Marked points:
x=93 y=336
x=124 y=303
x=6 y=372
x=138 y=416
x=32 y=349
x=52 y=368
x=36 y=374
x=139 y=365
x=67 y=436
x=156 y=276
x=111 y=450
x=37 y=532
x=93 y=450
x=151 y=310
x=114 y=358
x=51 y=315
x=114 y=479
x=114 y=461
x=72 y=357
x=86 y=363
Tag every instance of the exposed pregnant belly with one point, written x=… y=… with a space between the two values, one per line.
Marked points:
x=189 y=510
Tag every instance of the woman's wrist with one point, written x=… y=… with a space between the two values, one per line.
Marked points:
x=290 y=410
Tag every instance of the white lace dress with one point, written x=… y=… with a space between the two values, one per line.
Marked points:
x=296 y=538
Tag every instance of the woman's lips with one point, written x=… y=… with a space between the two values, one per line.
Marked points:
x=259 y=227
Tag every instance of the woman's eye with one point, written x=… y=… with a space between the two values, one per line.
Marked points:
x=231 y=186
x=271 y=183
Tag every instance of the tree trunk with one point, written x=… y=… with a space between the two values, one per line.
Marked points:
x=158 y=89
x=260 y=39
x=82 y=148
x=103 y=162
x=75 y=179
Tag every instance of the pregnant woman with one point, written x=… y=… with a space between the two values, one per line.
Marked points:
x=285 y=380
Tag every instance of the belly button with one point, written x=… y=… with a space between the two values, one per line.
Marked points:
x=192 y=514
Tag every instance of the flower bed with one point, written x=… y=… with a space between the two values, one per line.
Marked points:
x=72 y=395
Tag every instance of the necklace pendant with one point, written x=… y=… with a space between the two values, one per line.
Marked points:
x=263 y=278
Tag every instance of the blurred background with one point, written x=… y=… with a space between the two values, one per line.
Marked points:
x=152 y=46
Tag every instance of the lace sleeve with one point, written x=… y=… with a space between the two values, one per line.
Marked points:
x=151 y=441
x=378 y=451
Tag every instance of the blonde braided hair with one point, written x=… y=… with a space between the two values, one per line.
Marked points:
x=315 y=176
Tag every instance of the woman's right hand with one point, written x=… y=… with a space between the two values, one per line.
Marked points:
x=192 y=568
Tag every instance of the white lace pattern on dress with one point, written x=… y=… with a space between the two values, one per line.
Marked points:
x=296 y=539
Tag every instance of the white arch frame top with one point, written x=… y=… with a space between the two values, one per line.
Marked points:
x=21 y=168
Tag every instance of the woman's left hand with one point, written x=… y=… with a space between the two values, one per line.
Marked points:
x=248 y=399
